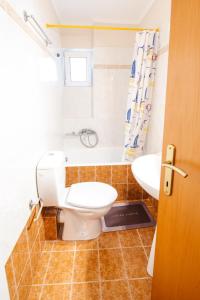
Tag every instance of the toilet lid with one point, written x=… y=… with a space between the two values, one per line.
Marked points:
x=91 y=195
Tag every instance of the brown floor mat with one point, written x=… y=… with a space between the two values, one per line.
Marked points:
x=126 y=216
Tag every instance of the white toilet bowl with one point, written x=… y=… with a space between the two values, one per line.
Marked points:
x=82 y=208
x=82 y=205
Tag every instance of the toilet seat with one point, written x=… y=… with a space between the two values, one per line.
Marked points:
x=92 y=195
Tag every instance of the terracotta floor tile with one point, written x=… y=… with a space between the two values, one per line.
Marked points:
x=34 y=293
x=86 y=245
x=146 y=235
x=56 y=292
x=111 y=264
x=109 y=240
x=135 y=262
x=41 y=268
x=63 y=246
x=56 y=277
x=147 y=250
x=23 y=292
x=86 y=266
x=112 y=290
x=85 y=291
x=47 y=245
x=60 y=267
x=141 y=289
x=129 y=238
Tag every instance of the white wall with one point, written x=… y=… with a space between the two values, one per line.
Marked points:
x=158 y=16
x=101 y=107
x=30 y=122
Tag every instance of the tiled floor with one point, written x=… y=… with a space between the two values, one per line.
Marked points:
x=108 y=268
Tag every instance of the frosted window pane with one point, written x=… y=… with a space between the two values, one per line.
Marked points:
x=78 y=68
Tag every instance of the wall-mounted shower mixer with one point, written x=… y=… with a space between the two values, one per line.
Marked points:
x=88 y=137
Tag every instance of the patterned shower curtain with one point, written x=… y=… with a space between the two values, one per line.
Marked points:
x=140 y=93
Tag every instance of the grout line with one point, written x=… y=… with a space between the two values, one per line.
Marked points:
x=95 y=173
x=83 y=282
x=72 y=277
x=29 y=250
x=124 y=265
x=48 y=263
x=79 y=175
x=93 y=249
x=142 y=244
x=99 y=270
x=111 y=175
x=14 y=277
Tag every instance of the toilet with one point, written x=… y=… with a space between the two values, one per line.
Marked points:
x=82 y=204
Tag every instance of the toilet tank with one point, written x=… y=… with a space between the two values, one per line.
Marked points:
x=51 y=178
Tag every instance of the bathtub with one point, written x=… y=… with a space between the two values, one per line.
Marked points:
x=94 y=156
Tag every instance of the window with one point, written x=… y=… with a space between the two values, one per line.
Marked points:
x=78 y=68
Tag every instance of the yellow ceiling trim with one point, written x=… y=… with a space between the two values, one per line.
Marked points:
x=97 y=27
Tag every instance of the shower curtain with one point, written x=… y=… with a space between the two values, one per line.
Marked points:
x=141 y=85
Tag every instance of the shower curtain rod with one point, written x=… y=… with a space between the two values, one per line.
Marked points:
x=97 y=27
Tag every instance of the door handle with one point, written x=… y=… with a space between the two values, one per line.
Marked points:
x=167 y=164
x=170 y=169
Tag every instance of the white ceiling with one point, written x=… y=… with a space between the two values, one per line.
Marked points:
x=101 y=11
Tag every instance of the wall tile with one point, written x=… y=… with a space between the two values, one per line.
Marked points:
x=103 y=174
x=50 y=228
x=134 y=192
x=49 y=212
x=119 y=174
x=20 y=256
x=10 y=278
x=121 y=190
x=35 y=254
x=72 y=175
x=87 y=174
x=25 y=255
x=131 y=178
x=32 y=229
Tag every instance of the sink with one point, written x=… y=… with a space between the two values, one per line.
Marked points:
x=146 y=170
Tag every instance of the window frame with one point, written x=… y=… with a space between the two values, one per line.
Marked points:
x=78 y=53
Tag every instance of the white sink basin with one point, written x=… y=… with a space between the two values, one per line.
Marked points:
x=146 y=170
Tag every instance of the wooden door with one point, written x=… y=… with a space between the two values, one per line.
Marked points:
x=177 y=260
